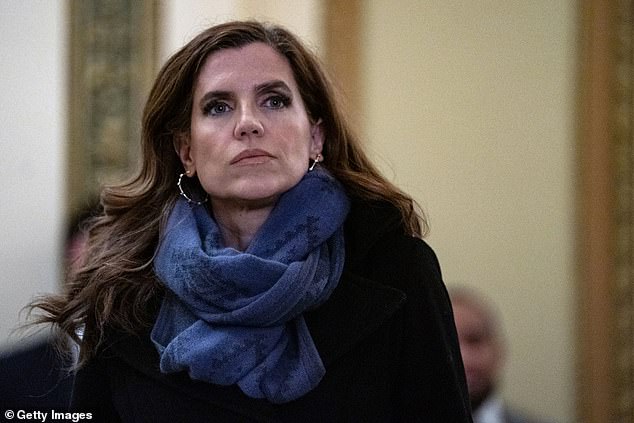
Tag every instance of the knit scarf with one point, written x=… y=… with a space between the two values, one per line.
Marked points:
x=231 y=317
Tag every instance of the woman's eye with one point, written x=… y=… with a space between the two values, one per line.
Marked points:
x=215 y=108
x=277 y=102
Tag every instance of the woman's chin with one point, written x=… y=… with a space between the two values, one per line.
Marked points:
x=260 y=189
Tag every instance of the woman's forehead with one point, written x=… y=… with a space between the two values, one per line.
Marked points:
x=253 y=62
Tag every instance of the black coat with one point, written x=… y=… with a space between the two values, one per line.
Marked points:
x=386 y=337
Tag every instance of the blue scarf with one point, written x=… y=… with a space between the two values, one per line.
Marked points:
x=232 y=317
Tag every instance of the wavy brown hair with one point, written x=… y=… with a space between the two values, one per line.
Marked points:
x=116 y=284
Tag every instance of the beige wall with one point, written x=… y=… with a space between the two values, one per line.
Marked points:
x=469 y=106
x=33 y=122
x=182 y=19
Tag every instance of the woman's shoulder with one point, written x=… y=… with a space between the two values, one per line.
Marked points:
x=376 y=235
x=379 y=248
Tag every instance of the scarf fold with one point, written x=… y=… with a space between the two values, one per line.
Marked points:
x=231 y=317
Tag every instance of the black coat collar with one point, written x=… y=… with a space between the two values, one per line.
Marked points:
x=365 y=226
x=358 y=305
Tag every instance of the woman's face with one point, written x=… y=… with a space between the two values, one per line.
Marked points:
x=251 y=139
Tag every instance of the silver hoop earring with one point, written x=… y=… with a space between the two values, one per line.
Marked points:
x=317 y=159
x=180 y=189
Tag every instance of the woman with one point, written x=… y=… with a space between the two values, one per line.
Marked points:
x=258 y=268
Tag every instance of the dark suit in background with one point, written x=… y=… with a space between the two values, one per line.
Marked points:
x=33 y=378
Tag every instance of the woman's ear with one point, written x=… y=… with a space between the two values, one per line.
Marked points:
x=182 y=145
x=316 y=138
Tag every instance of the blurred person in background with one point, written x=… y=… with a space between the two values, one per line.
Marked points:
x=483 y=350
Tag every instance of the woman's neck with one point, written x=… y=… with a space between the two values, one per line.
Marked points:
x=239 y=222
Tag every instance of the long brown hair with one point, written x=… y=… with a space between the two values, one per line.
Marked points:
x=116 y=283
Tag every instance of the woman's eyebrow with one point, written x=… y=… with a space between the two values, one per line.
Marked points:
x=272 y=85
x=214 y=94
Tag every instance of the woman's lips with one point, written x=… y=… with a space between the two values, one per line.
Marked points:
x=251 y=156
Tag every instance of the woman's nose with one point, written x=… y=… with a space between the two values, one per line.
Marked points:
x=248 y=124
